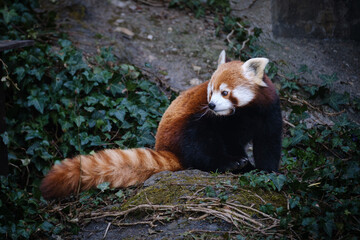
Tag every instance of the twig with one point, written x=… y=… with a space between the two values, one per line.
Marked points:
x=199 y=218
x=297 y=101
x=7 y=75
x=228 y=37
x=248 y=39
x=107 y=229
x=150 y=223
x=253 y=209
x=151 y=4
x=289 y=123
x=210 y=231
x=229 y=212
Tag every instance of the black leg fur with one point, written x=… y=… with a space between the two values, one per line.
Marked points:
x=217 y=143
x=204 y=146
x=267 y=141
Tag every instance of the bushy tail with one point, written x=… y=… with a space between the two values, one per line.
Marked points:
x=121 y=168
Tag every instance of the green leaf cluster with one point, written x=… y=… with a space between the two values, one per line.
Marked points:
x=322 y=169
x=202 y=7
x=271 y=181
x=65 y=105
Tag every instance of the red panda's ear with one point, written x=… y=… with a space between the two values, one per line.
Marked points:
x=222 y=58
x=253 y=69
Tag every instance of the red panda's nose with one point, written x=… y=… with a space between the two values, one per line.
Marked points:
x=212 y=105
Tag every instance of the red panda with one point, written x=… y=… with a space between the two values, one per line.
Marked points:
x=206 y=127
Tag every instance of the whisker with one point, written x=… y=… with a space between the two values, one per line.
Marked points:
x=205 y=106
x=205 y=112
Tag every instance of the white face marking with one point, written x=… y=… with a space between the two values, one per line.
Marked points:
x=223 y=87
x=223 y=106
x=243 y=94
x=209 y=89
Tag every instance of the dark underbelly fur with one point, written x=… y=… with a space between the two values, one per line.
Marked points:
x=216 y=143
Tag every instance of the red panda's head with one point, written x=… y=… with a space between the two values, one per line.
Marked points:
x=234 y=84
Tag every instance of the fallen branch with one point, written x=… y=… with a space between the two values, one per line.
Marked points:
x=229 y=212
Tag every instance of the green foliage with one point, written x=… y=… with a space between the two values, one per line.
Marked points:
x=269 y=181
x=321 y=165
x=200 y=7
x=64 y=105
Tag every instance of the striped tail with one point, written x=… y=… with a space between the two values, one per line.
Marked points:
x=121 y=168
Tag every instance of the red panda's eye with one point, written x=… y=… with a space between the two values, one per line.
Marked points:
x=224 y=93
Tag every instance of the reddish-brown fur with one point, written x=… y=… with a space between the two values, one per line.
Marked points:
x=267 y=94
x=121 y=168
x=173 y=120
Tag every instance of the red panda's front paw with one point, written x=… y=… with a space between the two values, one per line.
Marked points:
x=237 y=165
x=242 y=163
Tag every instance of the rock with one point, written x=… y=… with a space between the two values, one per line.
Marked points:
x=119 y=21
x=155 y=178
x=316 y=118
x=132 y=7
x=120 y=4
x=125 y=31
x=196 y=68
x=195 y=81
x=183 y=193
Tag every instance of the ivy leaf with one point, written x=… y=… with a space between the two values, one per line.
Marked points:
x=103 y=186
x=79 y=120
x=20 y=72
x=342 y=121
x=8 y=15
x=38 y=73
x=286 y=142
x=37 y=103
x=119 y=114
x=65 y=43
x=46 y=226
x=311 y=89
x=294 y=201
x=308 y=221
x=95 y=140
x=90 y=100
x=304 y=69
x=329 y=224
x=337 y=141
x=298 y=136
x=334 y=99
x=119 y=194
x=328 y=80
x=278 y=181
x=116 y=88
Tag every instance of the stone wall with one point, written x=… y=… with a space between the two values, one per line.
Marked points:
x=303 y=18
x=316 y=18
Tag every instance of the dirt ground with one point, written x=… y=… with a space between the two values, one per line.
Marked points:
x=167 y=43
x=181 y=50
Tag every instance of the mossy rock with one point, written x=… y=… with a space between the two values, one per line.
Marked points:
x=178 y=205
x=177 y=188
